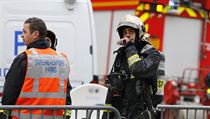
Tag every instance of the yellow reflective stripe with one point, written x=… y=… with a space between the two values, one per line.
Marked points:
x=140 y=7
x=144 y=16
x=117 y=3
x=208 y=90
x=137 y=13
x=132 y=76
x=191 y=12
x=147 y=27
x=134 y=62
x=180 y=10
x=68 y=112
x=166 y=9
x=108 y=110
x=133 y=59
x=201 y=13
x=108 y=104
x=133 y=56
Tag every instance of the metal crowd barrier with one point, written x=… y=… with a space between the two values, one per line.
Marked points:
x=183 y=111
x=87 y=109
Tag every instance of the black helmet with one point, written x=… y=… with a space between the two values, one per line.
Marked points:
x=52 y=37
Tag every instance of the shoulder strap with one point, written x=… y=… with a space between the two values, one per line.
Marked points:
x=146 y=47
x=116 y=61
x=113 y=69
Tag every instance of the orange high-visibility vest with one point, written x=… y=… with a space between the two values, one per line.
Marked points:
x=45 y=83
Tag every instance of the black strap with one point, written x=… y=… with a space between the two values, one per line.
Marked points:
x=114 y=64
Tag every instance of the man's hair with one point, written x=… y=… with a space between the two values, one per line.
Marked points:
x=36 y=24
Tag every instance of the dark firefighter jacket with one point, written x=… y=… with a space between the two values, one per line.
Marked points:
x=140 y=62
x=16 y=75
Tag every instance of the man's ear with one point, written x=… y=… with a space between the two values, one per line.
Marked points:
x=35 y=34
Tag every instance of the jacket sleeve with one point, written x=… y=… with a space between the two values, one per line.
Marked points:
x=143 y=67
x=14 y=80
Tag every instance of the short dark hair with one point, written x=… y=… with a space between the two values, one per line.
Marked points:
x=37 y=24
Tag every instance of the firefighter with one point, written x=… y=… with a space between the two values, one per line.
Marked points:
x=51 y=38
x=38 y=76
x=132 y=81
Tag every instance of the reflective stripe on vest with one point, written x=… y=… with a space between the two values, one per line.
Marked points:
x=35 y=116
x=45 y=80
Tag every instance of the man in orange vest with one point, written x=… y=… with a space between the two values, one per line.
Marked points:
x=38 y=76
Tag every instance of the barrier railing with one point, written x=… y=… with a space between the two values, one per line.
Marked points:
x=183 y=111
x=87 y=109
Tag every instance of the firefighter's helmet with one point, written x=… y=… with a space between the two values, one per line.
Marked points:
x=52 y=39
x=133 y=22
